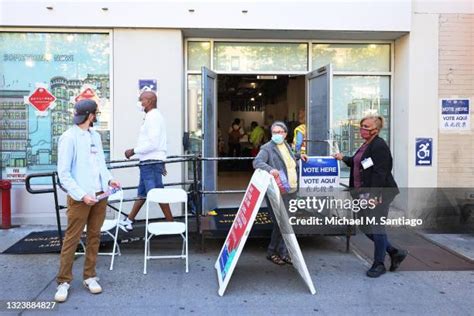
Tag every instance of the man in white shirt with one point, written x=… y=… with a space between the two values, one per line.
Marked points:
x=151 y=151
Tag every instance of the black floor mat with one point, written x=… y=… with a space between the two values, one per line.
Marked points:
x=424 y=254
x=45 y=242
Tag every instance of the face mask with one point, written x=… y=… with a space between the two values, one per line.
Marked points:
x=365 y=134
x=277 y=138
x=139 y=106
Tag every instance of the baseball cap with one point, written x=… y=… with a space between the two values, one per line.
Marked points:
x=82 y=109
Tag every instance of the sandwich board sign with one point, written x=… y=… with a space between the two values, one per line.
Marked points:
x=243 y=222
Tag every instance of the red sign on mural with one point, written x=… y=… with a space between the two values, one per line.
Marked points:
x=86 y=94
x=41 y=99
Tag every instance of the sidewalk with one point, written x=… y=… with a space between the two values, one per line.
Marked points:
x=257 y=286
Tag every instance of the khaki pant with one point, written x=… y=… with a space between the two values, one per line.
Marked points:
x=80 y=214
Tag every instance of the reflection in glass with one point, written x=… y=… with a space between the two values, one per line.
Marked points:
x=352 y=57
x=355 y=97
x=260 y=56
x=194 y=117
x=199 y=54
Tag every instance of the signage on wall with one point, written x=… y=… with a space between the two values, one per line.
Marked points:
x=88 y=93
x=455 y=115
x=319 y=174
x=147 y=85
x=41 y=99
x=424 y=152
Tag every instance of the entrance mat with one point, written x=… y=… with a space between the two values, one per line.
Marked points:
x=46 y=242
x=218 y=225
x=424 y=254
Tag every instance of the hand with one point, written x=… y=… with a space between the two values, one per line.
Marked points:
x=89 y=200
x=275 y=173
x=129 y=153
x=338 y=156
x=304 y=157
x=165 y=172
x=114 y=184
x=374 y=202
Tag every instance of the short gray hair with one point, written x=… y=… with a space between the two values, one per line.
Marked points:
x=279 y=124
x=378 y=120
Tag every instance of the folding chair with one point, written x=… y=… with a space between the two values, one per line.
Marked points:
x=166 y=228
x=107 y=226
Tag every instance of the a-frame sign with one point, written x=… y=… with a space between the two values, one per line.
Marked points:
x=261 y=183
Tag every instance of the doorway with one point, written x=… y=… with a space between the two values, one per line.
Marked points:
x=240 y=100
x=247 y=105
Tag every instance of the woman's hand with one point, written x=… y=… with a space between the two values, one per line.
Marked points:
x=304 y=157
x=338 y=156
x=275 y=173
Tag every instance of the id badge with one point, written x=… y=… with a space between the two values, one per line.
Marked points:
x=93 y=149
x=367 y=163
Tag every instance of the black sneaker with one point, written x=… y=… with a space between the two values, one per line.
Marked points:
x=397 y=258
x=376 y=270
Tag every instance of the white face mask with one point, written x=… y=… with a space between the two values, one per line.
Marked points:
x=140 y=107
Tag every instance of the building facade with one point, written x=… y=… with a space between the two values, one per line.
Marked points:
x=393 y=58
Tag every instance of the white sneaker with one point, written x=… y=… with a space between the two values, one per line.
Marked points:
x=92 y=285
x=126 y=225
x=61 y=293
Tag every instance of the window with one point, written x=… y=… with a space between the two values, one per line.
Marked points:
x=62 y=63
x=230 y=56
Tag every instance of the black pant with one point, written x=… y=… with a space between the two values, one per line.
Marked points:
x=234 y=148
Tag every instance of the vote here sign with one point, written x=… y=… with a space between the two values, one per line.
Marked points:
x=319 y=172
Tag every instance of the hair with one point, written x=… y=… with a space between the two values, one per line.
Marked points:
x=254 y=124
x=236 y=121
x=379 y=121
x=279 y=124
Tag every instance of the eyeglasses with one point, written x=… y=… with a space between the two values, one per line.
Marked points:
x=279 y=132
x=97 y=113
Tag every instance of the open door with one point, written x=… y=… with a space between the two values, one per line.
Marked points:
x=318 y=111
x=209 y=137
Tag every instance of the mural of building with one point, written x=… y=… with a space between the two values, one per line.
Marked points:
x=14 y=129
x=65 y=92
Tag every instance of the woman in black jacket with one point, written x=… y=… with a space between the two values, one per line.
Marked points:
x=371 y=178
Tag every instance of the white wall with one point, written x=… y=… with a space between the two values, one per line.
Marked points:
x=147 y=54
x=356 y=15
x=423 y=96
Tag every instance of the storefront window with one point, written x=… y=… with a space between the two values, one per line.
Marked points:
x=353 y=98
x=241 y=57
x=199 y=54
x=352 y=57
x=59 y=66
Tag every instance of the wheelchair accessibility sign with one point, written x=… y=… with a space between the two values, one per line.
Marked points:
x=424 y=152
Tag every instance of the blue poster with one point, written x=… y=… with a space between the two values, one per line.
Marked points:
x=147 y=84
x=424 y=152
x=319 y=172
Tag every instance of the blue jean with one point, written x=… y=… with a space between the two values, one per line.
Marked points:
x=151 y=177
x=381 y=243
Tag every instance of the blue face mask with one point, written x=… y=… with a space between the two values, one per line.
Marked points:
x=277 y=138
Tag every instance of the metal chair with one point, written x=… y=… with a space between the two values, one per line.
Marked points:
x=107 y=226
x=166 y=228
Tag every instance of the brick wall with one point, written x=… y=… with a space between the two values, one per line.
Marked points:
x=456 y=78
